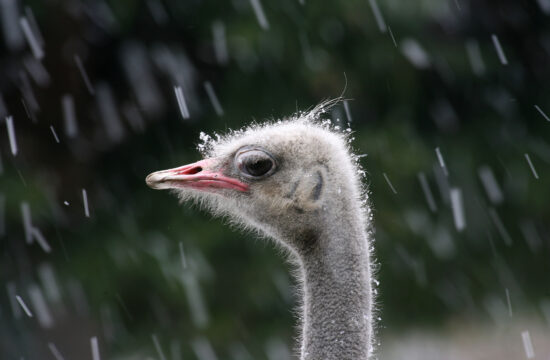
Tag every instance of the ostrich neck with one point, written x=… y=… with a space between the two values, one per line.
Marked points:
x=337 y=293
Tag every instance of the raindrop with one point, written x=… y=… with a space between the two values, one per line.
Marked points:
x=54 y=134
x=37 y=71
x=239 y=352
x=378 y=16
x=441 y=161
x=441 y=242
x=43 y=313
x=199 y=314
x=27 y=221
x=427 y=191
x=220 y=42
x=28 y=96
x=500 y=227
x=175 y=350
x=95 y=348
x=23 y=306
x=260 y=15
x=108 y=113
x=213 y=98
x=11 y=135
x=457 y=4
x=392 y=37
x=158 y=347
x=138 y=72
x=85 y=201
x=348 y=113
x=276 y=349
x=47 y=278
x=509 y=302
x=32 y=39
x=542 y=113
x=69 y=116
x=78 y=297
x=531 y=166
x=84 y=75
x=500 y=52
x=181 y=102
x=527 y=344
x=9 y=14
x=415 y=53
x=41 y=240
x=490 y=184
x=389 y=183
x=458 y=209
x=158 y=12
x=34 y=26
x=182 y=255
x=474 y=55
x=545 y=6
x=134 y=117
x=56 y=354
x=203 y=349
x=529 y=232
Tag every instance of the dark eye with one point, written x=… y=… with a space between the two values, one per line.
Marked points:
x=255 y=163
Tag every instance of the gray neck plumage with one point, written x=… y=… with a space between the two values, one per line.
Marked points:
x=337 y=294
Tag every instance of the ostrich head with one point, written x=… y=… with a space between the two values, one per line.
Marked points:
x=281 y=179
x=297 y=182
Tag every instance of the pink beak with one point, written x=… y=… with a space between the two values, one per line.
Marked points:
x=197 y=176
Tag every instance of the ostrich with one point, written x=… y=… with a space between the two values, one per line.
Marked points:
x=297 y=182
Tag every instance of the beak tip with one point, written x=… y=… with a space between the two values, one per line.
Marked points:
x=153 y=181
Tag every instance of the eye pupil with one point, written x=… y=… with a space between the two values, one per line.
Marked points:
x=255 y=163
x=258 y=167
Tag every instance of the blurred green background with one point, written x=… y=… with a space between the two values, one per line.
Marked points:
x=420 y=75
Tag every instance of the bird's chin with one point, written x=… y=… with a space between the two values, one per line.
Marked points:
x=212 y=186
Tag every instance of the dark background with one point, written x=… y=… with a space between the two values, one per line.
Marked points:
x=413 y=84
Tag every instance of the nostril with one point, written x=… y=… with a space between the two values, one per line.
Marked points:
x=194 y=170
x=188 y=170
